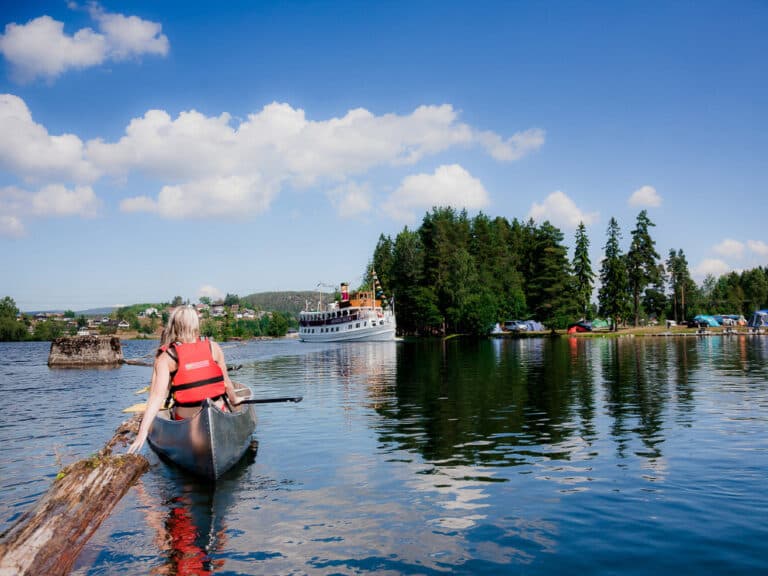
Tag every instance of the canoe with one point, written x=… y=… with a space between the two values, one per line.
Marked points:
x=207 y=444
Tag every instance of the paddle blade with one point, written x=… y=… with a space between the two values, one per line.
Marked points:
x=140 y=407
x=270 y=400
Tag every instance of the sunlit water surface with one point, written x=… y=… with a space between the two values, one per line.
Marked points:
x=530 y=456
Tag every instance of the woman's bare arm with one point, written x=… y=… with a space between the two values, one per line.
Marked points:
x=218 y=356
x=158 y=392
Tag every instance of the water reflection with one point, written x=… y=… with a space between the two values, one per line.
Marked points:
x=188 y=516
x=525 y=402
x=470 y=457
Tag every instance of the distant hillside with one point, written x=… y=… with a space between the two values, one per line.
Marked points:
x=105 y=311
x=288 y=302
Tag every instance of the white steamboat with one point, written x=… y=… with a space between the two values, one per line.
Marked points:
x=359 y=318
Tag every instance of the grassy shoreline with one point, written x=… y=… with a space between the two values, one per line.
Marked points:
x=642 y=331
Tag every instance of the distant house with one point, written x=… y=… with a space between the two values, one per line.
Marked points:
x=217 y=311
x=150 y=312
x=123 y=325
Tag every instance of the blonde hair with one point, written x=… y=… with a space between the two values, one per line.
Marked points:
x=183 y=326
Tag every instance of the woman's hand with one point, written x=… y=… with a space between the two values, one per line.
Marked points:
x=137 y=445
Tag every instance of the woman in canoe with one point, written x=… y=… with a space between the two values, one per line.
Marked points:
x=188 y=368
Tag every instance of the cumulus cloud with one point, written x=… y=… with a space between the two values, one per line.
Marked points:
x=449 y=185
x=211 y=292
x=216 y=165
x=730 y=248
x=11 y=226
x=225 y=196
x=56 y=200
x=351 y=199
x=712 y=266
x=758 y=247
x=514 y=147
x=41 y=47
x=645 y=197
x=129 y=36
x=274 y=147
x=53 y=200
x=561 y=211
x=28 y=150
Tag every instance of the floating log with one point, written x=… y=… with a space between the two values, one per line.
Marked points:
x=48 y=538
x=83 y=351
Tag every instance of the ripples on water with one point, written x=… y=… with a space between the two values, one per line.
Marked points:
x=533 y=456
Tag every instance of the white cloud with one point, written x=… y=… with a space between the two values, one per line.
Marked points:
x=53 y=200
x=28 y=150
x=730 y=248
x=351 y=199
x=215 y=165
x=130 y=36
x=514 y=147
x=11 y=226
x=758 y=247
x=645 y=196
x=275 y=147
x=449 y=186
x=561 y=211
x=41 y=48
x=211 y=292
x=224 y=196
x=712 y=266
x=56 y=200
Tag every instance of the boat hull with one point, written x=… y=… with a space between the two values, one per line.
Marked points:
x=209 y=443
x=385 y=333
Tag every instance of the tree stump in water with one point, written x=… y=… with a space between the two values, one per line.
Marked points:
x=48 y=538
x=83 y=351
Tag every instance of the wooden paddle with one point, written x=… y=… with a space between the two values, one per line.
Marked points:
x=268 y=400
x=142 y=406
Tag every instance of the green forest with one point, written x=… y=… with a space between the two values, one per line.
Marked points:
x=462 y=275
x=457 y=274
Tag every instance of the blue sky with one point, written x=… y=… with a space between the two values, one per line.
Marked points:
x=155 y=149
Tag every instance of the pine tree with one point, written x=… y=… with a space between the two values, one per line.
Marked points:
x=407 y=275
x=682 y=285
x=613 y=277
x=641 y=261
x=582 y=271
x=549 y=291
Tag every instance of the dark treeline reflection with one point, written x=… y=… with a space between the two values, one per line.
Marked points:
x=505 y=402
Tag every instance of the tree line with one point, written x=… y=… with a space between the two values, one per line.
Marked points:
x=15 y=326
x=456 y=274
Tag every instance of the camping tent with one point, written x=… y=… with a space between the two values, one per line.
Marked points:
x=533 y=326
x=601 y=323
x=759 y=319
x=703 y=319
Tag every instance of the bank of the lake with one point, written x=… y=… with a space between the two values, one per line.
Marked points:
x=523 y=456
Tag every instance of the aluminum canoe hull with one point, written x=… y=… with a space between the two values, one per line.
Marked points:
x=207 y=444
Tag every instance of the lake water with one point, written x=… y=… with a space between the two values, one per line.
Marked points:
x=530 y=456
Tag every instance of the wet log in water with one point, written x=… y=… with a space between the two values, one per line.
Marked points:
x=48 y=538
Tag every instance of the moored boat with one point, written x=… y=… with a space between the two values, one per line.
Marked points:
x=207 y=444
x=360 y=317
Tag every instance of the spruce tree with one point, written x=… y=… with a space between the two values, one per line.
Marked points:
x=582 y=271
x=549 y=292
x=613 y=277
x=641 y=261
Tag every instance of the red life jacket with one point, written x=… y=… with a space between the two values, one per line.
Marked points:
x=198 y=376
